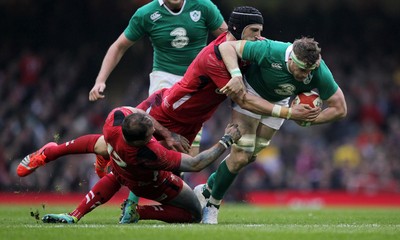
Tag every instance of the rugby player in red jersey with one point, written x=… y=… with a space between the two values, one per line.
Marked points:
x=142 y=164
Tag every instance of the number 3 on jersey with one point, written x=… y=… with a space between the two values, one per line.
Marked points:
x=114 y=156
x=180 y=39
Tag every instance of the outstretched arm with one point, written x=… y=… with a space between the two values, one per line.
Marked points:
x=205 y=158
x=111 y=59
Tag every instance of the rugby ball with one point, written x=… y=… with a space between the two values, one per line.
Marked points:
x=311 y=98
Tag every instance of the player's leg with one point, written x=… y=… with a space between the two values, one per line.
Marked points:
x=240 y=156
x=187 y=200
x=257 y=132
x=102 y=164
x=184 y=208
x=178 y=205
x=228 y=169
x=51 y=151
x=128 y=209
x=101 y=192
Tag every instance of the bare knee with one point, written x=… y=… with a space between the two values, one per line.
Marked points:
x=100 y=148
x=238 y=159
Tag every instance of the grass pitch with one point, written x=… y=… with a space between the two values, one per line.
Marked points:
x=235 y=222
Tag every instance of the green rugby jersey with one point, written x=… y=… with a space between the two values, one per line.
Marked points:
x=269 y=76
x=176 y=37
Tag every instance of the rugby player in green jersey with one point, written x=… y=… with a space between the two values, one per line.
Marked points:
x=178 y=30
x=278 y=71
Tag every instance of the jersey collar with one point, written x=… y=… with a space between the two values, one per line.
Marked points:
x=287 y=54
x=161 y=2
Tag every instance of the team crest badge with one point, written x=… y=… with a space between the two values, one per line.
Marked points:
x=195 y=15
x=308 y=79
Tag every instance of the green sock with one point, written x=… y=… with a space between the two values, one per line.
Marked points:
x=223 y=180
x=132 y=197
x=210 y=184
x=211 y=180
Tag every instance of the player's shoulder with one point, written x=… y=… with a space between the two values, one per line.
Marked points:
x=220 y=39
x=271 y=42
x=119 y=113
x=125 y=109
x=323 y=72
x=272 y=46
x=148 y=8
x=255 y=46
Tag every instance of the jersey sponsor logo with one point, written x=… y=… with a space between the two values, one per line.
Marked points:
x=181 y=39
x=155 y=16
x=276 y=66
x=286 y=89
x=195 y=15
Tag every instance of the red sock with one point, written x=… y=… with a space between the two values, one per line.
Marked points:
x=103 y=191
x=83 y=144
x=166 y=213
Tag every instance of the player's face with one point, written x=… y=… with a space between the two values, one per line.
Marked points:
x=150 y=134
x=174 y=4
x=298 y=73
x=150 y=130
x=252 y=32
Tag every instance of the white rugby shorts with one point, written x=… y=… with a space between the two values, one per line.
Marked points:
x=160 y=79
x=272 y=122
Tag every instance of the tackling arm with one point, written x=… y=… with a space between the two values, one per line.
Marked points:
x=230 y=53
x=205 y=158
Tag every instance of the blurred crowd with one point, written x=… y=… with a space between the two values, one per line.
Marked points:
x=45 y=83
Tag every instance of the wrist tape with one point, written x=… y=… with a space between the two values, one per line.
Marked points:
x=235 y=72
x=226 y=141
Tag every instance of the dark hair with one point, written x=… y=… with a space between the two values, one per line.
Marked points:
x=241 y=17
x=135 y=127
x=307 y=50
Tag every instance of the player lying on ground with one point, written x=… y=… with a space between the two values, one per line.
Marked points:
x=145 y=167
